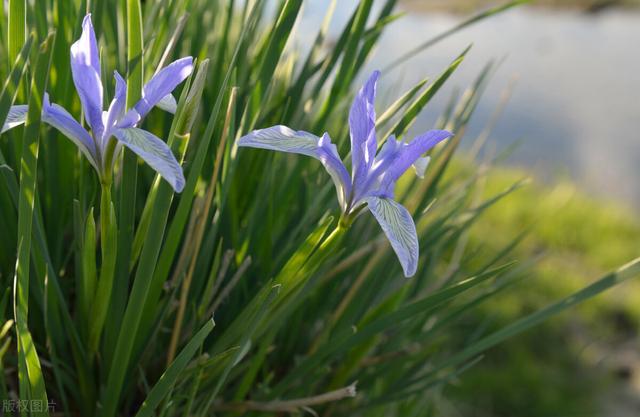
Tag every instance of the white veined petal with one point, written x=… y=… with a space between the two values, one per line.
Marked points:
x=397 y=224
x=56 y=116
x=16 y=116
x=284 y=139
x=154 y=152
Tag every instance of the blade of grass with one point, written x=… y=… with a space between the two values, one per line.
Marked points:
x=140 y=291
x=168 y=378
x=347 y=69
x=245 y=344
x=180 y=217
x=10 y=87
x=347 y=339
x=127 y=203
x=17 y=35
x=32 y=385
x=401 y=127
x=624 y=273
x=400 y=103
x=89 y=276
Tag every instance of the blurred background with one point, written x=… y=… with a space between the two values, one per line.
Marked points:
x=562 y=107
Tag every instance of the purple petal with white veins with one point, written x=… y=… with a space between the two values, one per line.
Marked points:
x=162 y=84
x=17 y=115
x=56 y=116
x=284 y=139
x=154 y=152
x=397 y=224
x=85 y=69
x=362 y=126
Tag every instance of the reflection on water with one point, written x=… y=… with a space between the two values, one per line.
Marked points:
x=576 y=103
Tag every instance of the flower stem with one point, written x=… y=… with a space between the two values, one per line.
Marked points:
x=105 y=203
x=293 y=279
x=108 y=246
x=333 y=239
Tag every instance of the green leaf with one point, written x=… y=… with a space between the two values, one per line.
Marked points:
x=399 y=104
x=252 y=323
x=164 y=385
x=17 y=27
x=275 y=46
x=10 y=87
x=32 y=385
x=127 y=200
x=102 y=298
x=401 y=127
x=347 y=69
x=135 y=62
x=89 y=275
x=347 y=339
x=135 y=79
x=624 y=273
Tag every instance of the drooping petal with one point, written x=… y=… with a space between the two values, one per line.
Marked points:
x=398 y=226
x=162 y=84
x=284 y=139
x=17 y=115
x=58 y=117
x=328 y=155
x=85 y=69
x=154 y=152
x=362 y=123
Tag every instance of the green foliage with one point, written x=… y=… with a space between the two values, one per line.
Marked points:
x=120 y=315
x=546 y=360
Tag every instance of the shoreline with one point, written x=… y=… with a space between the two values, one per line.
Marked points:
x=470 y=6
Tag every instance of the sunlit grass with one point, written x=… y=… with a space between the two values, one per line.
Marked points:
x=303 y=307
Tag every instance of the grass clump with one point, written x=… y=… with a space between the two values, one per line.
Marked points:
x=303 y=307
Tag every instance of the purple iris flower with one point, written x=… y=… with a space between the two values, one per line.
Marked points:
x=373 y=177
x=117 y=122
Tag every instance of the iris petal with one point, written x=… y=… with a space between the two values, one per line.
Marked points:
x=154 y=152
x=168 y=103
x=85 y=69
x=395 y=158
x=397 y=224
x=284 y=139
x=162 y=84
x=17 y=115
x=362 y=126
x=56 y=116
x=117 y=106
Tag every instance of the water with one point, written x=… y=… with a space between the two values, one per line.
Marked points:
x=576 y=101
